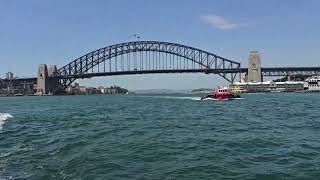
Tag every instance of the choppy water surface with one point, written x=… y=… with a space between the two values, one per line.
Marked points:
x=266 y=136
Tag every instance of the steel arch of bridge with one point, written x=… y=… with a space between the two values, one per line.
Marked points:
x=144 y=57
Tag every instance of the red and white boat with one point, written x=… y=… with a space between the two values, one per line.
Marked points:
x=221 y=95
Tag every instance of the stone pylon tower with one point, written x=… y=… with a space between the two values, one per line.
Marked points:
x=42 y=84
x=52 y=82
x=254 y=67
x=46 y=82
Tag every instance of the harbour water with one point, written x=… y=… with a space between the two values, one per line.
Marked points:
x=263 y=136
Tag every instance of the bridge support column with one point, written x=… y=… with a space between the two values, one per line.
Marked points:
x=254 y=68
x=53 y=82
x=42 y=85
x=46 y=82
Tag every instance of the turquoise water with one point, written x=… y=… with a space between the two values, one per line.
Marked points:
x=263 y=136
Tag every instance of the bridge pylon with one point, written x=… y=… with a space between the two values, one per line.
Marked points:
x=46 y=81
x=254 y=67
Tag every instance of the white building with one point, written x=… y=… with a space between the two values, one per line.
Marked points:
x=270 y=86
x=313 y=84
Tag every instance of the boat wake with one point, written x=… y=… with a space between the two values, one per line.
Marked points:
x=237 y=98
x=189 y=98
x=179 y=97
x=212 y=99
x=3 y=118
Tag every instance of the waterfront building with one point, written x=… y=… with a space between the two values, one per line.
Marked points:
x=101 y=90
x=21 y=88
x=83 y=90
x=270 y=86
x=312 y=84
x=91 y=90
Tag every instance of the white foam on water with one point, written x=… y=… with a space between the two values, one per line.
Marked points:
x=207 y=98
x=189 y=98
x=238 y=98
x=178 y=97
x=192 y=98
x=212 y=99
x=199 y=98
x=3 y=118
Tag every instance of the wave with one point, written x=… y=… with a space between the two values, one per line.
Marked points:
x=192 y=98
x=3 y=118
x=189 y=98
x=212 y=99
x=182 y=97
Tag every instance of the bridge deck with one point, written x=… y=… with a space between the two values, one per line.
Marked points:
x=266 y=71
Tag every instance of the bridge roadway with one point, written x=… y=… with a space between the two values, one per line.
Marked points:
x=266 y=71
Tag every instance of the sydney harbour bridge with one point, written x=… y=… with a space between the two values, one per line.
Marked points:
x=145 y=57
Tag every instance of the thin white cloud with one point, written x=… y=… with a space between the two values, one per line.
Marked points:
x=219 y=22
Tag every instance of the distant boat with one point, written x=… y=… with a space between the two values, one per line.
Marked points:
x=223 y=94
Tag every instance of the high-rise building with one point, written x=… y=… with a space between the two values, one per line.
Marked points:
x=254 y=67
x=9 y=75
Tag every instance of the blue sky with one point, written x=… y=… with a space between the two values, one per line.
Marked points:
x=286 y=33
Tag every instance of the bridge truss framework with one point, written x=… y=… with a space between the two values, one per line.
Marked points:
x=144 y=57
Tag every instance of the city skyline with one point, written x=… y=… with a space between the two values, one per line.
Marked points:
x=36 y=32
